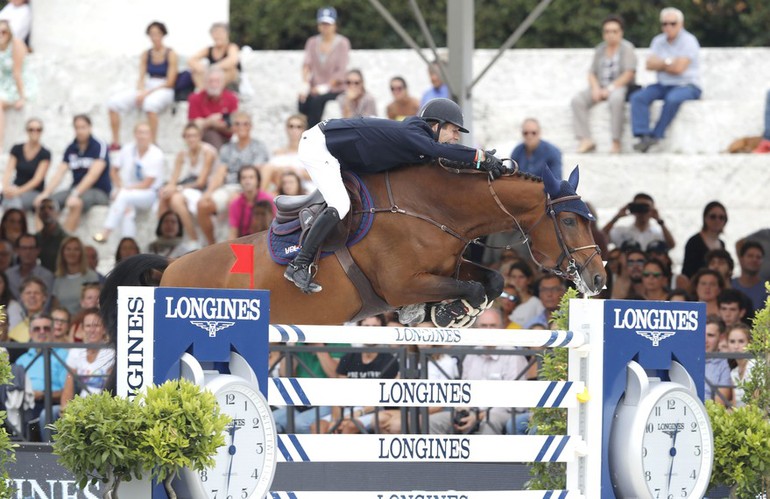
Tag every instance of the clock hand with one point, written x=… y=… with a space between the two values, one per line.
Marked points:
x=672 y=453
x=231 y=451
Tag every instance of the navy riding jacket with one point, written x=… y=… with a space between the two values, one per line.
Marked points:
x=371 y=145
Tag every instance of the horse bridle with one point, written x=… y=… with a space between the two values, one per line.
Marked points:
x=573 y=270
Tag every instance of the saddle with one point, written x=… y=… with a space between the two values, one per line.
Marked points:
x=295 y=216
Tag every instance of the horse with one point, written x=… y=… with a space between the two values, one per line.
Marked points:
x=413 y=254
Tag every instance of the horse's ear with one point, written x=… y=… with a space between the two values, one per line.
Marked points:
x=551 y=183
x=574 y=177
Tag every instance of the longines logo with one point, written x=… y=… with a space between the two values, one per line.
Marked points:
x=655 y=324
x=656 y=336
x=212 y=314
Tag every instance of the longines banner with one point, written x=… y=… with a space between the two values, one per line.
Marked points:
x=158 y=325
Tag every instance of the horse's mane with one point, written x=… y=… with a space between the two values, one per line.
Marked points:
x=515 y=174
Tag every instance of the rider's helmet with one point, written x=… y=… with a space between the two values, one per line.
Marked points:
x=443 y=111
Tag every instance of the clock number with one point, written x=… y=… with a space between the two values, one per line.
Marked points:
x=204 y=476
x=644 y=451
x=650 y=428
x=230 y=399
x=245 y=405
x=697 y=450
x=255 y=475
x=647 y=476
x=693 y=427
x=670 y=496
x=657 y=410
x=260 y=448
x=244 y=493
x=670 y=404
x=214 y=491
x=657 y=493
x=255 y=423
x=684 y=492
x=692 y=475
x=685 y=410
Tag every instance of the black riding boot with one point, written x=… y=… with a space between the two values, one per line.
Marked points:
x=299 y=271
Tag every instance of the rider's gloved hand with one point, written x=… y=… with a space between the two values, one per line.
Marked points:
x=492 y=164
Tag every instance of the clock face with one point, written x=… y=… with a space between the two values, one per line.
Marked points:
x=246 y=463
x=676 y=447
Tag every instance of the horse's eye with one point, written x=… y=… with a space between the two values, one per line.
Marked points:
x=569 y=222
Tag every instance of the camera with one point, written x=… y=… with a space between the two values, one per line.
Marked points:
x=638 y=208
x=459 y=416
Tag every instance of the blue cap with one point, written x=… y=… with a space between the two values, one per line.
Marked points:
x=327 y=15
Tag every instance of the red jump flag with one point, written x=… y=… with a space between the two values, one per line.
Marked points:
x=244 y=261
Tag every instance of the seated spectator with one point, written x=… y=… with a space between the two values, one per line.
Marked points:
x=550 y=289
x=285 y=158
x=679 y=294
x=534 y=154
x=438 y=89
x=761 y=236
x=717 y=386
x=170 y=241
x=211 y=109
x=641 y=232
x=355 y=101
x=61 y=325
x=674 y=55
x=28 y=252
x=482 y=420
x=323 y=68
x=89 y=298
x=193 y=169
x=51 y=233
x=241 y=208
x=92 y=257
x=127 y=247
x=15 y=84
x=13 y=225
x=11 y=306
x=154 y=91
x=764 y=144
x=91 y=367
x=705 y=286
x=24 y=176
x=34 y=295
x=655 y=278
x=19 y=16
x=224 y=185
x=290 y=185
x=262 y=216
x=136 y=177
x=658 y=250
x=33 y=362
x=528 y=306
x=750 y=257
x=714 y=221
x=89 y=161
x=403 y=105
x=721 y=261
x=733 y=306
x=72 y=272
x=627 y=283
x=223 y=55
x=612 y=70
x=738 y=338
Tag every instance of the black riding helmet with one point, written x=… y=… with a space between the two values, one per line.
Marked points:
x=443 y=111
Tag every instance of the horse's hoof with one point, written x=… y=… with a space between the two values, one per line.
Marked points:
x=446 y=314
x=411 y=314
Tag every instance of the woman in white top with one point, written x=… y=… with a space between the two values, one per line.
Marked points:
x=192 y=169
x=520 y=275
x=286 y=159
x=136 y=177
x=91 y=365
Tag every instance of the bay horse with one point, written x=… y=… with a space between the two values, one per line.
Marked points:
x=413 y=252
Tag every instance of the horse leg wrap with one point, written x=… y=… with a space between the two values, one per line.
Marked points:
x=451 y=314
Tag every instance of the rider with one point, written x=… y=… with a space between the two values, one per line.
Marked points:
x=371 y=145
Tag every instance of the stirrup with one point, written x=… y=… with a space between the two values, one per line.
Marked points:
x=305 y=280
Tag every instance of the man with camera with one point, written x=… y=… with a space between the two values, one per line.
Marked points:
x=641 y=231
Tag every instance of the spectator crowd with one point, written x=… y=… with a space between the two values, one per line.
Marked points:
x=49 y=284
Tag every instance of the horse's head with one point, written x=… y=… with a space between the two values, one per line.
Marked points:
x=566 y=245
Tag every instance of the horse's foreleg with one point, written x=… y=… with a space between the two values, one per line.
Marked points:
x=466 y=298
x=492 y=280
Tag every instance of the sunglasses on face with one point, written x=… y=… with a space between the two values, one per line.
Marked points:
x=37 y=329
x=34 y=129
x=528 y=132
x=353 y=82
x=652 y=274
x=635 y=262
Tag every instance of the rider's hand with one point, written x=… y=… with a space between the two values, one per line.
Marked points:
x=492 y=164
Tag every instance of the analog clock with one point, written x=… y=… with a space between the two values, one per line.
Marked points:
x=661 y=444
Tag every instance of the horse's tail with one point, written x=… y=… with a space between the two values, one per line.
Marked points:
x=141 y=270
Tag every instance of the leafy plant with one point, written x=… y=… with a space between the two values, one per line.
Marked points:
x=7 y=448
x=96 y=439
x=554 y=367
x=741 y=450
x=185 y=428
x=757 y=386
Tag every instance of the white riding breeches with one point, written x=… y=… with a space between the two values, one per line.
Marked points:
x=324 y=169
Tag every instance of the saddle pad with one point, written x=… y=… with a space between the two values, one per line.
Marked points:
x=283 y=239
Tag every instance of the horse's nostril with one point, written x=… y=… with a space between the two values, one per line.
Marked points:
x=598 y=282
